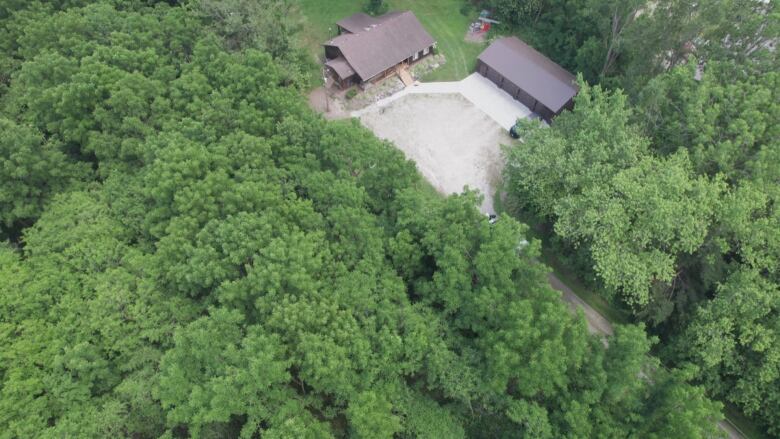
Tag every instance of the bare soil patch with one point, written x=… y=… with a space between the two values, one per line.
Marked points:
x=453 y=142
x=475 y=37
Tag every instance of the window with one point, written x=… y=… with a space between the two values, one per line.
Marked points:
x=415 y=56
x=425 y=51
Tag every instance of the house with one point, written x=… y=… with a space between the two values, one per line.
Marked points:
x=369 y=48
x=528 y=76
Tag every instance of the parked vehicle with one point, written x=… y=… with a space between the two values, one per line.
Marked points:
x=514 y=132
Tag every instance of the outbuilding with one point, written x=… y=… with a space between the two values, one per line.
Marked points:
x=528 y=76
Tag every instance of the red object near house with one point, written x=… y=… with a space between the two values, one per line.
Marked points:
x=485 y=26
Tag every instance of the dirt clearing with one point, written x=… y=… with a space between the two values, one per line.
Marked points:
x=453 y=143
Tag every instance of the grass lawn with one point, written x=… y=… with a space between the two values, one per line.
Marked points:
x=441 y=18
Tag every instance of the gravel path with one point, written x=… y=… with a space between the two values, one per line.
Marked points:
x=477 y=89
x=453 y=143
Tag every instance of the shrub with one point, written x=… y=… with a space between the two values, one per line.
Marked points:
x=375 y=7
x=351 y=93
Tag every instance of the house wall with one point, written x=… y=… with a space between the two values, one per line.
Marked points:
x=526 y=99
x=410 y=60
x=517 y=93
x=569 y=105
x=343 y=82
x=482 y=68
x=421 y=54
x=545 y=113
x=349 y=82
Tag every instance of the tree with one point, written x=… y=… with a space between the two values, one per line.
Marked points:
x=627 y=44
x=90 y=327
x=375 y=7
x=638 y=222
x=218 y=370
x=592 y=175
x=519 y=12
x=32 y=170
x=734 y=339
x=583 y=148
x=686 y=409
x=240 y=267
x=268 y=25
x=371 y=417
x=724 y=119
x=614 y=17
x=664 y=37
x=742 y=32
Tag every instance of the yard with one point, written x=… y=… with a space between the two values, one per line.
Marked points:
x=441 y=18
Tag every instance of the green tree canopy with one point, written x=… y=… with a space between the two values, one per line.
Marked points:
x=236 y=266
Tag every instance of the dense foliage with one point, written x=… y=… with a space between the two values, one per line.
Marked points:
x=375 y=7
x=628 y=42
x=667 y=196
x=192 y=252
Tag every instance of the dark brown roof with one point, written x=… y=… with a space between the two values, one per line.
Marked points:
x=395 y=37
x=357 y=22
x=360 y=22
x=528 y=69
x=341 y=67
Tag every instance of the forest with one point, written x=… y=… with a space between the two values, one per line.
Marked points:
x=188 y=250
x=662 y=186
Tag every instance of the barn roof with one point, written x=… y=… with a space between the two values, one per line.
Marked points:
x=384 y=42
x=533 y=72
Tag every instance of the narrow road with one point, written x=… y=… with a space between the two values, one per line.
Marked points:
x=597 y=324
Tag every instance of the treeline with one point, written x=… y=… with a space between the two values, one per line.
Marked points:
x=626 y=43
x=191 y=252
x=666 y=195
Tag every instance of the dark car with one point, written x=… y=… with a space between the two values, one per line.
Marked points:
x=514 y=132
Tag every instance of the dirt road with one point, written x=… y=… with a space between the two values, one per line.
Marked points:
x=597 y=324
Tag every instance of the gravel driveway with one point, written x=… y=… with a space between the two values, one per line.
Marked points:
x=452 y=130
x=477 y=89
x=454 y=143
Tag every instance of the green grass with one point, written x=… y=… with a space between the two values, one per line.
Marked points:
x=320 y=17
x=441 y=18
x=745 y=426
x=592 y=298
